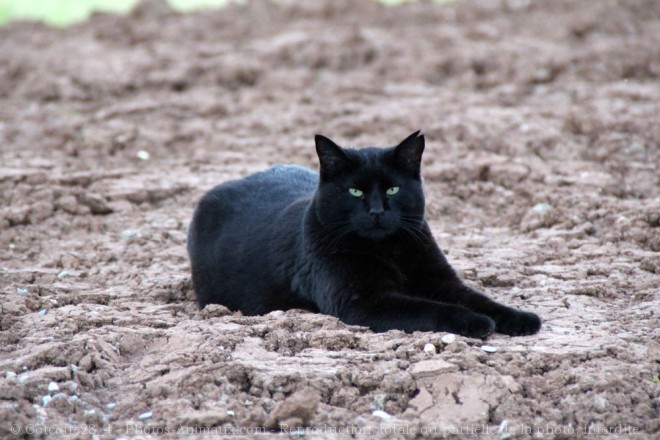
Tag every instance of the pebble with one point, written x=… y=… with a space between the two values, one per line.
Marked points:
x=89 y=412
x=10 y=375
x=143 y=155
x=430 y=349
x=21 y=292
x=111 y=405
x=145 y=415
x=42 y=312
x=46 y=399
x=129 y=233
x=541 y=207
x=63 y=275
x=489 y=348
x=231 y=413
x=53 y=386
x=22 y=378
x=448 y=339
x=381 y=414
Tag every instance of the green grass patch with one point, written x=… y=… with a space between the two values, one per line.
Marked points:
x=66 y=12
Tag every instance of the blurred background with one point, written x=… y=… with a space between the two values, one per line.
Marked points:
x=65 y=12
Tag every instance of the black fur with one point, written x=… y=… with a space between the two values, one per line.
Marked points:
x=338 y=244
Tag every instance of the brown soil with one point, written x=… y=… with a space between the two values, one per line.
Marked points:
x=541 y=173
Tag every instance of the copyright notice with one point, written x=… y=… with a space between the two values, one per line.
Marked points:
x=503 y=430
x=54 y=430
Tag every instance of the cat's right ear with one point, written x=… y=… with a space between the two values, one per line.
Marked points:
x=332 y=157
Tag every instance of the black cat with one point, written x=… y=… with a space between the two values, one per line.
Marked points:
x=353 y=244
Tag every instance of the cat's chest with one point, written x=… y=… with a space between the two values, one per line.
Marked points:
x=357 y=266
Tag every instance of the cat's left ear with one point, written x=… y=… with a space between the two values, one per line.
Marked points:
x=408 y=154
x=332 y=157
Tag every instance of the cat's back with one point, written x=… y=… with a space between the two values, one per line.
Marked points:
x=272 y=187
x=252 y=200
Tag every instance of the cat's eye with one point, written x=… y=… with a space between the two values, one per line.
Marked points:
x=392 y=191
x=355 y=192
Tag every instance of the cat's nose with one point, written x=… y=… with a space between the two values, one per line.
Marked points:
x=376 y=213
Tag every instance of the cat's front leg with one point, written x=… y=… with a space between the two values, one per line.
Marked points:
x=451 y=290
x=508 y=320
x=387 y=311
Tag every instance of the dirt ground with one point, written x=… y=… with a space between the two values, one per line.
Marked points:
x=541 y=174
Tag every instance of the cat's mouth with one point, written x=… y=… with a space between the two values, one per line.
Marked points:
x=376 y=232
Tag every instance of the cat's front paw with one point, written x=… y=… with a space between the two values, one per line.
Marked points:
x=471 y=325
x=517 y=323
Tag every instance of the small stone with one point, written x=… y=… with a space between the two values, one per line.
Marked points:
x=231 y=413
x=541 y=207
x=111 y=405
x=143 y=155
x=129 y=233
x=489 y=348
x=45 y=400
x=63 y=274
x=89 y=412
x=42 y=312
x=22 y=378
x=21 y=292
x=10 y=375
x=145 y=415
x=381 y=414
x=448 y=339
x=430 y=349
x=53 y=386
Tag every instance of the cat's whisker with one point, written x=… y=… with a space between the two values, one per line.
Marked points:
x=411 y=227
x=331 y=235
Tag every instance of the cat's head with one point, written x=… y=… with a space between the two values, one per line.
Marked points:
x=370 y=192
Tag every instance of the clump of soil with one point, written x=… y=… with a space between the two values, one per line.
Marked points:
x=541 y=174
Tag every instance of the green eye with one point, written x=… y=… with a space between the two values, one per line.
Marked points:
x=392 y=191
x=355 y=192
